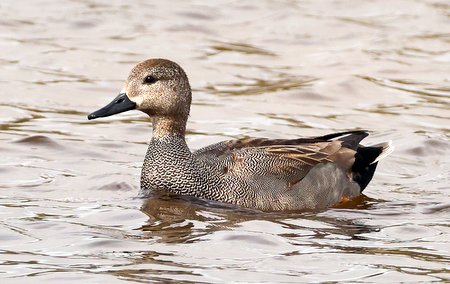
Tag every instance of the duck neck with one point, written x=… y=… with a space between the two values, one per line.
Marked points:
x=168 y=126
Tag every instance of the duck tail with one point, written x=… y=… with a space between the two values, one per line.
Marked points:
x=366 y=160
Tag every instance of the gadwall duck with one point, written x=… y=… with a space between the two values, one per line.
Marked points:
x=259 y=173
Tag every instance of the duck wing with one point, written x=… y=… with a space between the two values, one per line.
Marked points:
x=291 y=160
x=288 y=160
x=350 y=139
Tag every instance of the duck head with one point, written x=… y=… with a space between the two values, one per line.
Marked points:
x=157 y=87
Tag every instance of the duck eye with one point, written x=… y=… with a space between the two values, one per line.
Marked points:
x=149 y=80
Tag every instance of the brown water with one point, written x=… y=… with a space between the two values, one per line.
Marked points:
x=68 y=212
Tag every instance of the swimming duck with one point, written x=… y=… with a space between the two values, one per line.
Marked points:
x=259 y=173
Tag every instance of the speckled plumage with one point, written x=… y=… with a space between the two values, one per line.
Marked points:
x=265 y=174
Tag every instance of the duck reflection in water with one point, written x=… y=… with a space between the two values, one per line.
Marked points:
x=184 y=219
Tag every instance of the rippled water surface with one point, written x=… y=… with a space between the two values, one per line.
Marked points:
x=68 y=186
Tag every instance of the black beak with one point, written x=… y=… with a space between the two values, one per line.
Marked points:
x=120 y=104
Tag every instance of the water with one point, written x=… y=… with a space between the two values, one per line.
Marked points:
x=258 y=68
